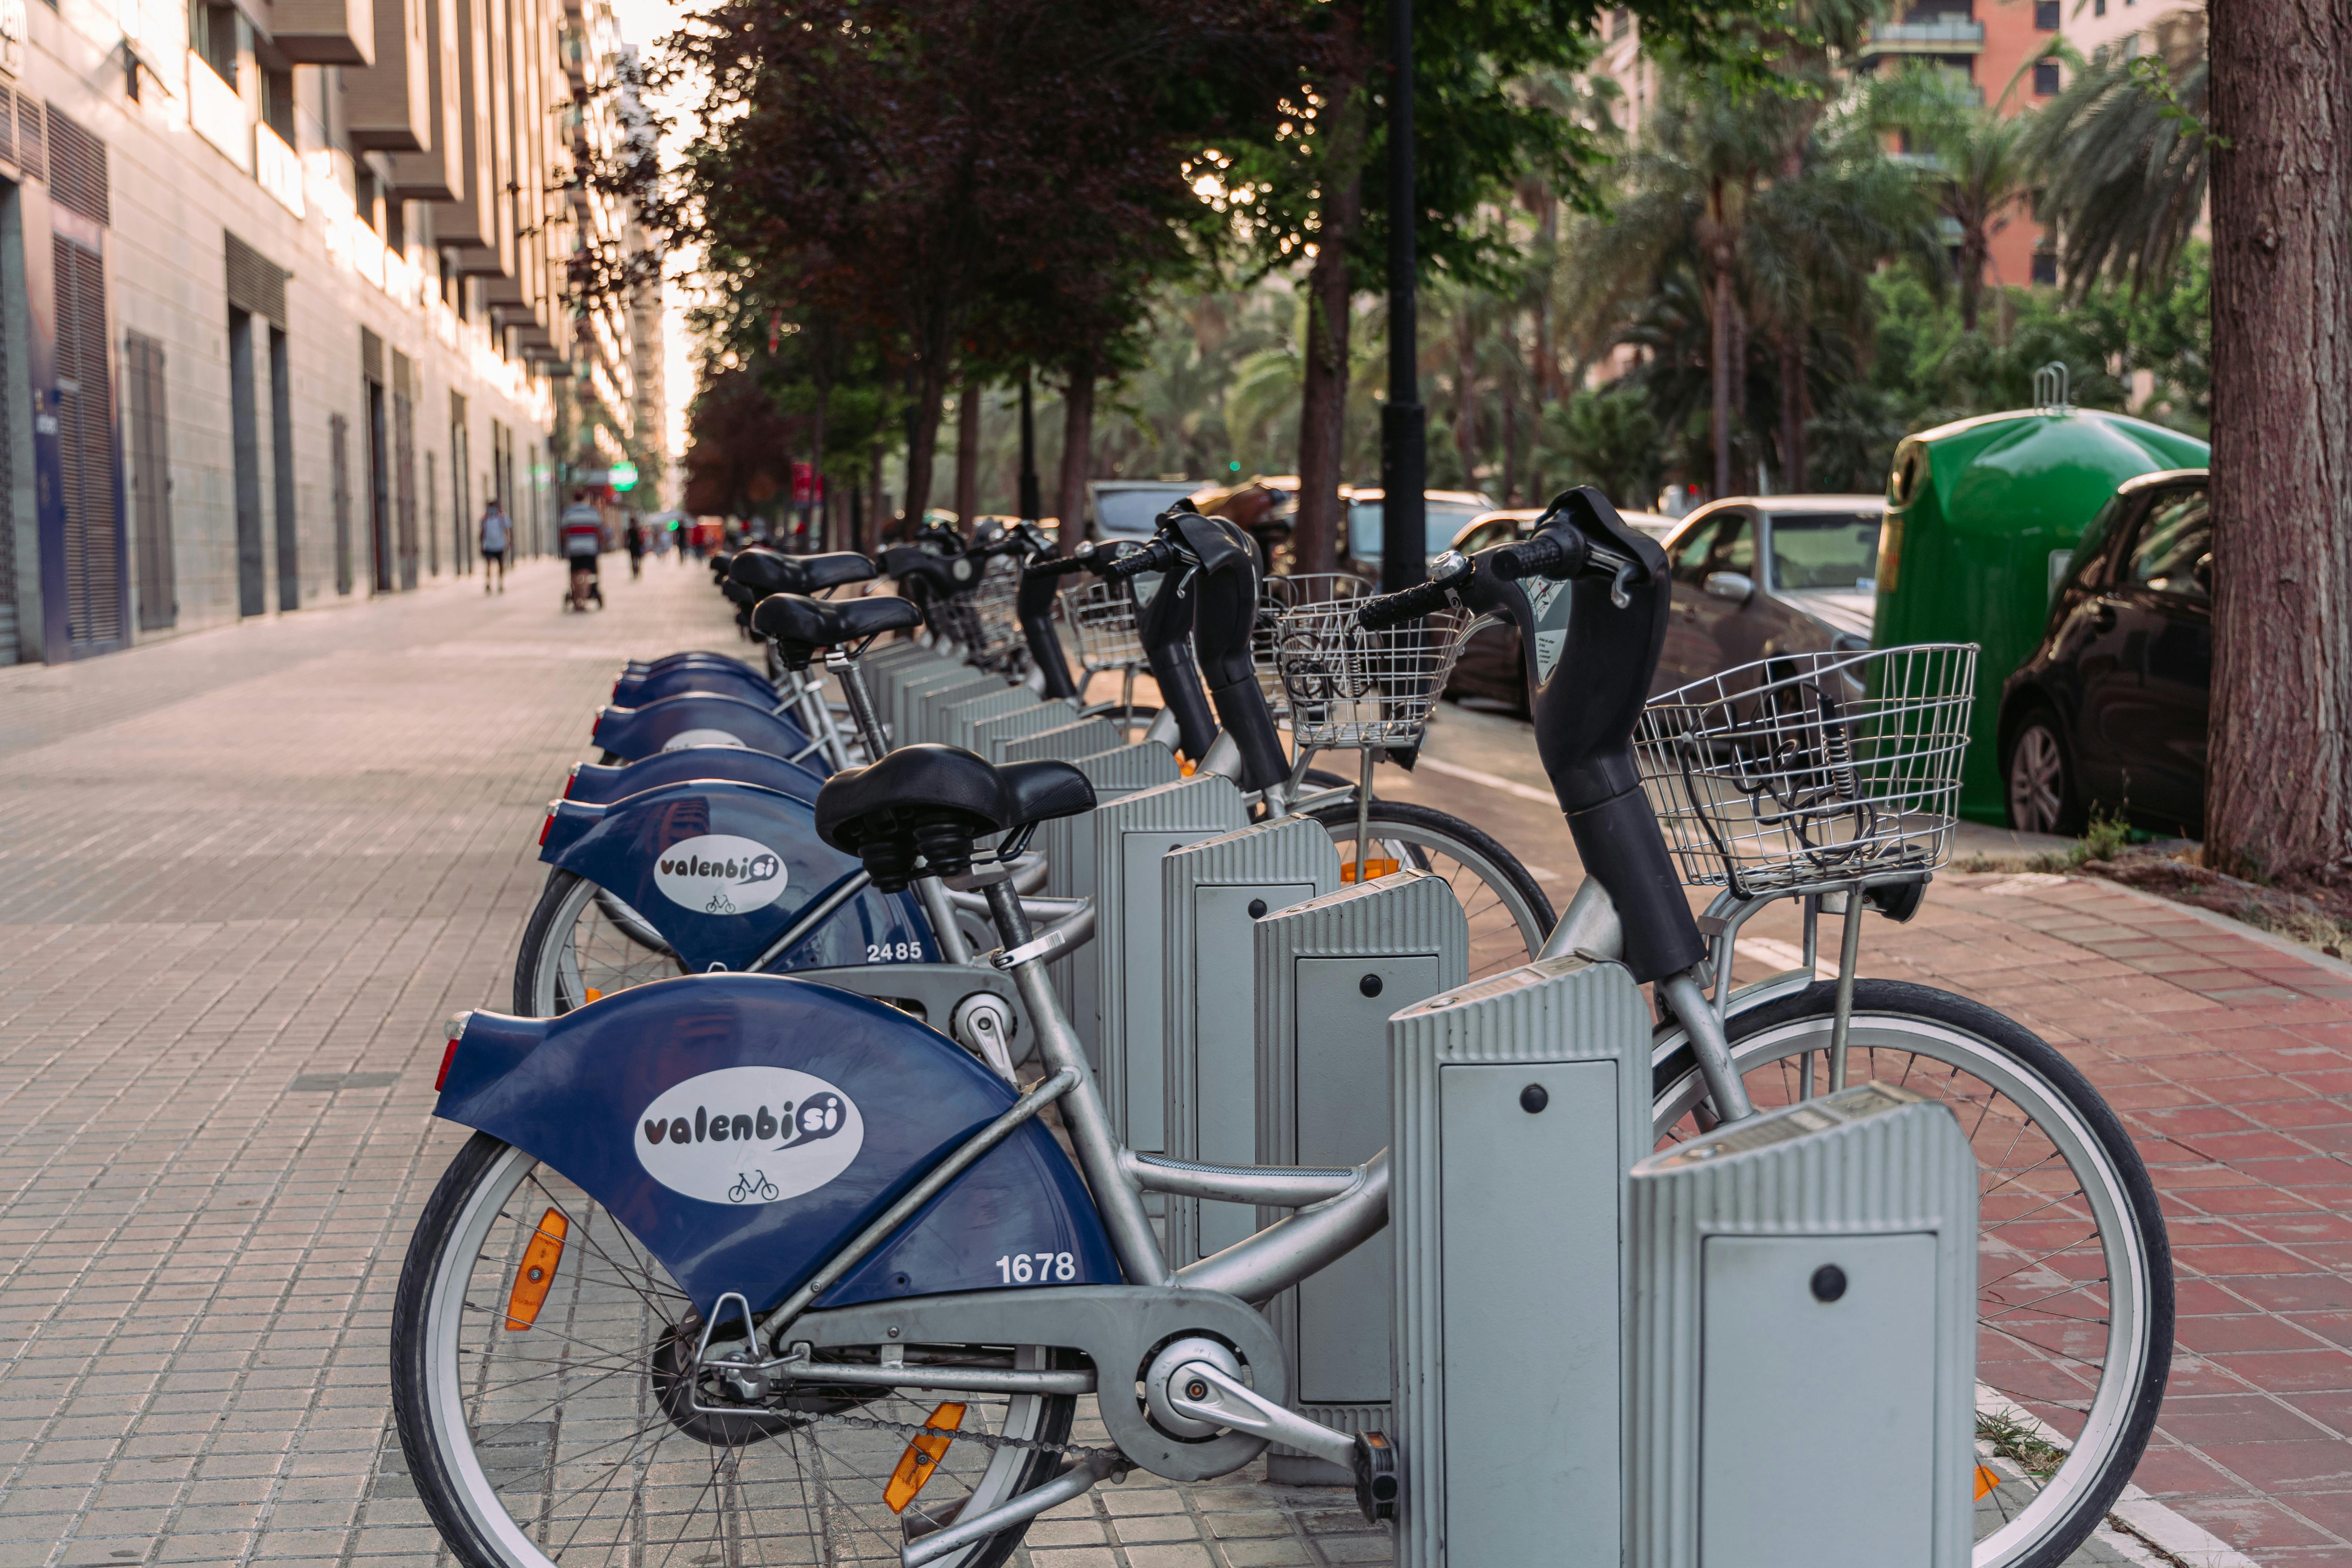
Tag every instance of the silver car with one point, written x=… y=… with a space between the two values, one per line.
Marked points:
x=1760 y=576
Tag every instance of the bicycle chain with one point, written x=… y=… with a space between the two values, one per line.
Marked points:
x=918 y=1429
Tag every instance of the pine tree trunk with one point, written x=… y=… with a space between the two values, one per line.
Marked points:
x=967 y=468
x=923 y=441
x=875 y=511
x=1078 y=453
x=1792 y=375
x=1466 y=445
x=2278 y=776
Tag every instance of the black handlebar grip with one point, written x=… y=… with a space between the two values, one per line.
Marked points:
x=1057 y=566
x=1545 y=555
x=1157 y=556
x=1407 y=604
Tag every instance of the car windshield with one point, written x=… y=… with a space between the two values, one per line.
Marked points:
x=1825 y=550
x=1446 y=519
x=1128 y=514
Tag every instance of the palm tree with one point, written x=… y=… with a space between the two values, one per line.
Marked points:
x=2124 y=153
x=1976 y=165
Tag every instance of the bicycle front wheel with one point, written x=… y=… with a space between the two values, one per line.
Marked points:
x=571 y=1433
x=1508 y=915
x=2073 y=1268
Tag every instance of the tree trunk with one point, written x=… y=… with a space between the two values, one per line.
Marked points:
x=1465 y=398
x=1792 y=374
x=2279 y=778
x=1323 y=394
x=1078 y=453
x=1547 y=387
x=923 y=439
x=1719 y=352
x=820 y=514
x=1972 y=265
x=1510 y=476
x=875 y=511
x=967 y=470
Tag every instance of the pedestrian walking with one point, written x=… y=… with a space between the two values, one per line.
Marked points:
x=636 y=540
x=582 y=527
x=497 y=532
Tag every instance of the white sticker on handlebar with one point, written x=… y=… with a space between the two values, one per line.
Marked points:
x=1547 y=650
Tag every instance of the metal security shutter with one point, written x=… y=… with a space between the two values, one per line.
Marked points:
x=255 y=283
x=8 y=621
x=339 y=459
x=30 y=142
x=151 y=482
x=403 y=464
x=95 y=585
x=77 y=177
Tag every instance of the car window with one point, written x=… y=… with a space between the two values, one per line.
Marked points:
x=1722 y=544
x=1488 y=535
x=1129 y=514
x=1365 y=520
x=1825 y=550
x=2173 y=553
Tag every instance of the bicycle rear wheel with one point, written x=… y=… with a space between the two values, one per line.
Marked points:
x=572 y=1437
x=582 y=943
x=1508 y=915
x=2073 y=1270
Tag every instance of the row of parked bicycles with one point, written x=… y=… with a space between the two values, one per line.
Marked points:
x=820 y=1179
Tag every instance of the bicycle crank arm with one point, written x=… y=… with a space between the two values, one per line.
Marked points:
x=1076 y=1481
x=1214 y=1397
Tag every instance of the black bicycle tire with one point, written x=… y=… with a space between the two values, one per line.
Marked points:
x=551 y=896
x=1902 y=998
x=410 y=1376
x=1430 y=820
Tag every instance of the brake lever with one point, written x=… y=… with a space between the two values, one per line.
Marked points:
x=1628 y=573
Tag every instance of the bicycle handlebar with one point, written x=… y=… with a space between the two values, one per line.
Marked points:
x=1405 y=605
x=1157 y=556
x=1058 y=566
x=1555 y=555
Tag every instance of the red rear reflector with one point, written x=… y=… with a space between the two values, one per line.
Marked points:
x=448 y=1056
x=569 y=780
x=545 y=826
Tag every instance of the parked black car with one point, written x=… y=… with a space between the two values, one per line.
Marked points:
x=2108 y=714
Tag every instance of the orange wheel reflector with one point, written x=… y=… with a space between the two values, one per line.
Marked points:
x=537 y=1273
x=1373 y=867
x=1185 y=769
x=921 y=1457
x=1986 y=1480
x=594 y=995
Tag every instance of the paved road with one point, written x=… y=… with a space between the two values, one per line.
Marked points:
x=250 y=872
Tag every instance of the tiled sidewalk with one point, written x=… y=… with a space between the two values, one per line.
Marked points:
x=250 y=874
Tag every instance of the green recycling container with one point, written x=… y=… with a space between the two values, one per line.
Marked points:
x=1982 y=518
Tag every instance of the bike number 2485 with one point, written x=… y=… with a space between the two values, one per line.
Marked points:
x=1038 y=1267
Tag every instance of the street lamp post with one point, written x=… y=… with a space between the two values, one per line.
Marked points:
x=1404 y=436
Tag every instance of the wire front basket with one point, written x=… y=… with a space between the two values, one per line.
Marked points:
x=1276 y=598
x=1349 y=687
x=1811 y=770
x=1100 y=615
x=994 y=616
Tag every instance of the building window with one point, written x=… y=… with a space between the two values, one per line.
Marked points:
x=2045 y=78
x=2045 y=267
x=2046 y=15
x=211 y=34
x=277 y=103
x=2099 y=7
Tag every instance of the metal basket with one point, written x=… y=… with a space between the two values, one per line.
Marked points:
x=1101 y=617
x=1278 y=595
x=995 y=617
x=1811 y=770
x=1349 y=687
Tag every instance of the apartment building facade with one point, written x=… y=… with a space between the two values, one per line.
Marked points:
x=281 y=302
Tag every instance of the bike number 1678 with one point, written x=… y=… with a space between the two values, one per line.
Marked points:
x=1036 y=1267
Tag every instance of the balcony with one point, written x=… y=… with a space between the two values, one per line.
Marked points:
x=218 y=114
x=278 y=168
x=1943 y=35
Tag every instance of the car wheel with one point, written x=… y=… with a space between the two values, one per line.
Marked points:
x=2041 y=778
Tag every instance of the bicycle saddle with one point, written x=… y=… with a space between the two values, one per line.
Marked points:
x=799 y=626
x=766 y=572
x=742 y=594
x=721 y=560
x=832 y=570
x=1041 y=791
x=927 y=800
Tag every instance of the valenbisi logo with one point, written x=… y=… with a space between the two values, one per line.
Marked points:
x=686 y=738
x=749 y=1135
x=718 y=874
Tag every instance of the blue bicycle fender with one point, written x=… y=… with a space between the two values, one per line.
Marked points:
x=744 y=1127
x=594 y=784
x=722 y=870
x=672 y=660
x=694 y=718
x=637 y=690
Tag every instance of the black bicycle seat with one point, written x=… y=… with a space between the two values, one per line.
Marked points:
x=1041 y=791
x=832 y=570
x=742 y=594
x=799 y=625
x=721 y=560
x=766 y=572
x=925 y=800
